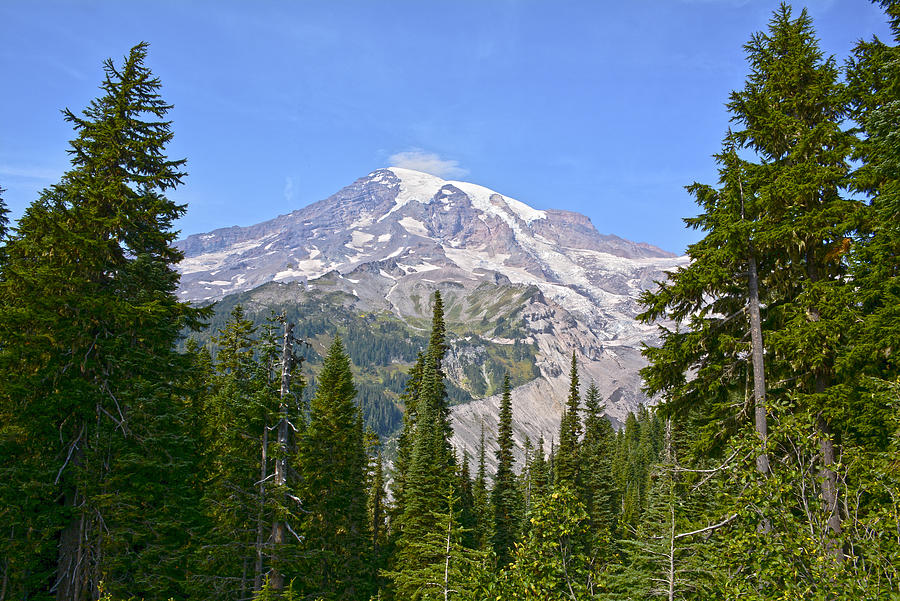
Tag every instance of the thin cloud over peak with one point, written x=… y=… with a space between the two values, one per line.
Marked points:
x=428 y=162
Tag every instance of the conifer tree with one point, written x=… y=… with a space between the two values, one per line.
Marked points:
x=505 y=496
x=659 y=554
x=484 y=520
x=87 y=336
x=406 y=438
x=4 y=224
x=523 y=480
x=786 y=209
x=874 y=84
x=468 y=520
x=431 y=470
x=378 y=509
x=440 y=566
x=873 y=74
x=332 y=465
x=538 y=471
x=597 y=489
x=232 y=434
x=790 y=108
x=567 y=459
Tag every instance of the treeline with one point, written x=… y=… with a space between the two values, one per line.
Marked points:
x=769 y=470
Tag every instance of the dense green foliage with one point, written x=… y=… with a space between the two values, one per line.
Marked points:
x=806 y=525
x=138 y=464
x=93 y=431
x=505 y=495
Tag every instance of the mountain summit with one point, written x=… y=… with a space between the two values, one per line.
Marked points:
x=389 y=239
x=418 y=220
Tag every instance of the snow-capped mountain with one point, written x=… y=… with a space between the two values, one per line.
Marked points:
x=391 y=238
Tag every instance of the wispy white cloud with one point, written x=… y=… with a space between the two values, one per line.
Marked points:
x=288 y=189
x=428 y=162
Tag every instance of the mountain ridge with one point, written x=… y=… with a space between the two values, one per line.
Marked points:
x=390 y=239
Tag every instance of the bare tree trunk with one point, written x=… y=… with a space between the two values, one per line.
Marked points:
x=830 y=488
x=759 y=374
x=670 y=576
x=276 y=578
x=447 y=559
x=244 y=569
x=73 y=582
x=760 y=419
x=260 y=516
x=826 y=442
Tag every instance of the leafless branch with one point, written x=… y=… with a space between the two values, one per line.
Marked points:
x=727 y=520
x=69 y=455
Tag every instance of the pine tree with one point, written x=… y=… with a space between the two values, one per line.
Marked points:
x=406 y=438
x=787 y=211
x=468 y=520
x=871 y=424
x=481 y=498
x=523 y=481
x=431 y=468
x=659 y=562
x=234 y=431
x=790 y=109
x=538 y=471
x=567 y=455
x=443 y=567
x=377 y=509
x=4 y=223
x=87 y=337
x=873 y=75
x=598 y=491
x=505 y=496
x=332 y=465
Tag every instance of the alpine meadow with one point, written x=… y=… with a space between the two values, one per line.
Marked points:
x=421 y=389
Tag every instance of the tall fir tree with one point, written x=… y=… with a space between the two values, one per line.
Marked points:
x=539 y=471
x=874 y=84
x=4 y=225
x=567 y=461
x=406 y=439
x=481 y=497
x=505 y=495
x=332 y=465
x=781 y=202
x=430 y=475
x=597 y=488
x=790 y=110
x=87 y=340
x=234 y=428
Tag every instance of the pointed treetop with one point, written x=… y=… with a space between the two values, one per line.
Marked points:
x=437 y=344
x=4 y=211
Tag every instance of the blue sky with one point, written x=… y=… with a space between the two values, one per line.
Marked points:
x=605 y=108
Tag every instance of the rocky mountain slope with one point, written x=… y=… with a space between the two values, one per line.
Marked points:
x=517 y=283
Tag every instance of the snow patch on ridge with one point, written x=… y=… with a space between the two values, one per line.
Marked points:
x=414 y=186
x=481 y=199
x=413 y=226
x=358 y=239
x=217 y=260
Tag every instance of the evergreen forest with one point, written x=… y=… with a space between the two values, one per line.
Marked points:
x=152 y=449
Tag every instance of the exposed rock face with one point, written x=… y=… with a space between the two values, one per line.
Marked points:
x=393 y=237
